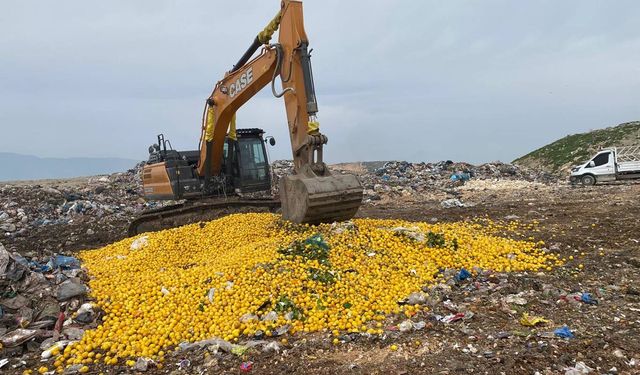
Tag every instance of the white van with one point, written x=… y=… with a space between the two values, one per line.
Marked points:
x=612 y=164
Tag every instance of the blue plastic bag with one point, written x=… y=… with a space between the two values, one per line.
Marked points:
x=460 y=177
x=588 y=299
x=564 y=332
x=65 y=262
x=462 y=275
x=57 y=262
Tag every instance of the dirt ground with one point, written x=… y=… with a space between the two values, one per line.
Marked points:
x=598 y=226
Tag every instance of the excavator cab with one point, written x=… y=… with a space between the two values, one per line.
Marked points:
x=247 y=162
x=171 y=174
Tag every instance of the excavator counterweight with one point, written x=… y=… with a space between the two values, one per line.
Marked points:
x=232 y=162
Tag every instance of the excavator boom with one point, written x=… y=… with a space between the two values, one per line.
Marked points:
x=312 y=194
x=230 y=164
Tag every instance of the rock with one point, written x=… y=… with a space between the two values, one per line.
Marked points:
x=70 y=289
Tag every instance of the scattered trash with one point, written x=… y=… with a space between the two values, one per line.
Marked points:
x=515 y=299
x=86 y=308
x=579 y=369
x=450 y=203
x=419 y=325
x=405 y=326
x=460 y=176
x=62 y=262
x=416 y=298
x=413 y=233
x=588 y=299
x=246 y=318
x=3 y=362
x=618 y=353
x=282 y=330
x=246 y=366
x=212 y=344
x=73 y=333
x=71 y=288
x=139 y=243
x=452 y=317
x=57 y=347
x=344 y=226
x=531 y=321
x=239 y=349
x=142 y=364
x=564 y=332
x=271 y=346
x=462 y=275
x=184 y=364
x=17 y=337
x=271 y=316
x=73 y=369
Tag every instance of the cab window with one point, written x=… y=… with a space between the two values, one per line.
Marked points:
x=601 y=159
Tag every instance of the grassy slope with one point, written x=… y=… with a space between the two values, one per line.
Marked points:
x=577 y=148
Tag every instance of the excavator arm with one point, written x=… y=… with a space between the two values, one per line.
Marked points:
x=228 y=96
x=312 y=194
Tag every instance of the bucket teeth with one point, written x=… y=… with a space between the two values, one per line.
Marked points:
x=315 y=200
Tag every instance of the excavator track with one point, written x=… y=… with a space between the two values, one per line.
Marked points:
x=191 y=212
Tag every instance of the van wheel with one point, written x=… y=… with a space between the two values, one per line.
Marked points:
x=588 y=180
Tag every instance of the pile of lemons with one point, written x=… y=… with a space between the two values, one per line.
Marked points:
x=254 y=273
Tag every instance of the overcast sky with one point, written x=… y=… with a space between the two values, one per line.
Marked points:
x=415 y=80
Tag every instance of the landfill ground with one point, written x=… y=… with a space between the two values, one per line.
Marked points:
x=597 y=226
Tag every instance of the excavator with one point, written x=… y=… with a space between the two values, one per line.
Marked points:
x=230 y=164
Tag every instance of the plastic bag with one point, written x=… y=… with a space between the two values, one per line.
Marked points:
x=531 y=321
x=564 y=332
x=463 y=275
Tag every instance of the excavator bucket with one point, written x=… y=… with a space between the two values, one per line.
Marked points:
x=307 y=198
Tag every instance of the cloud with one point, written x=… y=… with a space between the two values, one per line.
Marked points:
x=416 y=80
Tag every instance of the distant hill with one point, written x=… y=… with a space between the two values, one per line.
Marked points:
x=27 y=167
x=577 y=148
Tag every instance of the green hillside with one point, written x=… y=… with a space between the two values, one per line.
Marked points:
x=577 y=148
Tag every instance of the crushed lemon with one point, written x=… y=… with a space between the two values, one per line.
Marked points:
x=248 y=272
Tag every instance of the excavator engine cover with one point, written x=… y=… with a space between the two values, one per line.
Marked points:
x=307 y=198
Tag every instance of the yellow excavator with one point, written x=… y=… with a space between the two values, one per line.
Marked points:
x=231 y=163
